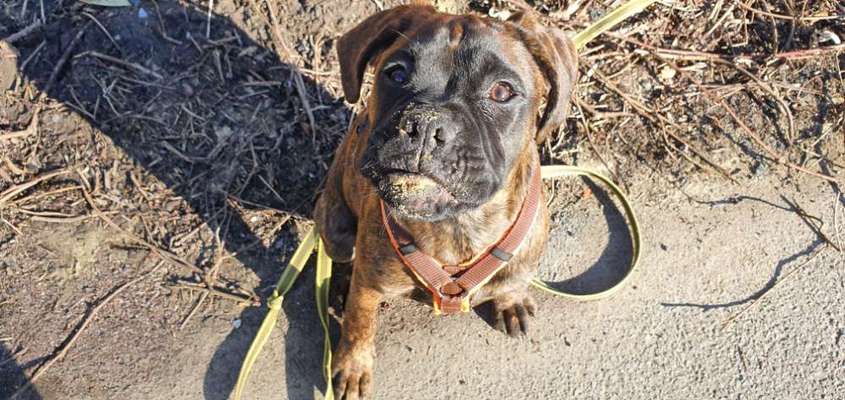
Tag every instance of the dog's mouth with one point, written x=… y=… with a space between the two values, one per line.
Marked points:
x=415 y=195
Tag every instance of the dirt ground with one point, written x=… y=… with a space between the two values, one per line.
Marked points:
x=158 y=164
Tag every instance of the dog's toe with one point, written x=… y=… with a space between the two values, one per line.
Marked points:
x=354 y=386
x=512 y=317
x=352 y=379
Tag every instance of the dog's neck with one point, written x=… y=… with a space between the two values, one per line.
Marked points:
x=459 y=238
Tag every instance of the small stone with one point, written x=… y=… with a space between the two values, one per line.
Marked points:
x=223 y=132
x=667 y=74
x=829 y=36
x=187 y=90
x=8 y=65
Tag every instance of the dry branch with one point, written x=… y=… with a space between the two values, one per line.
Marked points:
x=23 y=32
x=657 y=119
x=15 y=190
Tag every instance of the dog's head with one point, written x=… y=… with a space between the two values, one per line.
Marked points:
x=456 y=100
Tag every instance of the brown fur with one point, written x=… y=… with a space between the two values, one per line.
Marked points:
x=348 y=214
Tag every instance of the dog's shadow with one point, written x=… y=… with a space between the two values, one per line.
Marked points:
x=12 y=375
x=219 y=120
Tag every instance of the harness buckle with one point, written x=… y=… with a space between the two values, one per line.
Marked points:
x=451 y=304
x=451 y=289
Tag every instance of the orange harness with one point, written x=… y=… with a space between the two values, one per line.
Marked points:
x=452 y=285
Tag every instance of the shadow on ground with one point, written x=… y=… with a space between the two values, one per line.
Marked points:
x=12 y=377
x=220 y=121
x=778 y=271
x=773 y=280
x=613 y=262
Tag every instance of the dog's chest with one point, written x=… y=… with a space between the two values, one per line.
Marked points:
x=458 y=243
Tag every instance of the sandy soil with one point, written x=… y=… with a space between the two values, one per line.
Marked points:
x=179 y=154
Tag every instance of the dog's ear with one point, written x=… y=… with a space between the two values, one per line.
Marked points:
x=555 y=55
x=363 y=43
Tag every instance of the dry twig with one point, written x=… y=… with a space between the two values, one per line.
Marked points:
x=215 y=291
x=815 y=223
x=30 y=130
x=65 y=56
x=23 y=32
x=13 y=191
x=809 y=19
x=809 y=53
x=127 y=64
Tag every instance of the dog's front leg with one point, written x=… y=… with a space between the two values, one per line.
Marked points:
x=353 y=364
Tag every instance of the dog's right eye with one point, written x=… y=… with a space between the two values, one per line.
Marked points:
x=397 y=73
x=501 y=92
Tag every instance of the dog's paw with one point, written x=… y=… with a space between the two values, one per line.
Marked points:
x=352 y=374
x=512 y=315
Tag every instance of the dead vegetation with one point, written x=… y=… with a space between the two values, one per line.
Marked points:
x=726 y=87
x=200 y=136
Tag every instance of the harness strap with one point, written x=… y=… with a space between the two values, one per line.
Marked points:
x=451 y=286
x=426 y=269
x=501 y=253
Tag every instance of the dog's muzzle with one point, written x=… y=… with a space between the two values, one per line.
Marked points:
x=424 y=129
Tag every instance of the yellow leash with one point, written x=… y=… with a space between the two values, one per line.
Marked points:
x=556 y=171
x=323 y=272
x=274 y=304
x=609 y=21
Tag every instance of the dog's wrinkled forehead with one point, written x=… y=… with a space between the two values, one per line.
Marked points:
x=459 y=47
x=542 y=55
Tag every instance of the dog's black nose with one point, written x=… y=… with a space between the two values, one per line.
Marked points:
x=429 y=128
x=443 y=131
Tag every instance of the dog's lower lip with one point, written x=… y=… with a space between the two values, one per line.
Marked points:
x=412 y=182
x=393 y=175
x=404 y=173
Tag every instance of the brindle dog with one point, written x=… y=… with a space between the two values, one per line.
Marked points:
x=448 y=142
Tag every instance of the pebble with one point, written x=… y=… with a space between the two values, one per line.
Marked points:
x=8 y=65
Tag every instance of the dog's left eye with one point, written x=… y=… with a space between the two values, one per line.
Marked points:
x=397 y=73
x=501 y=92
